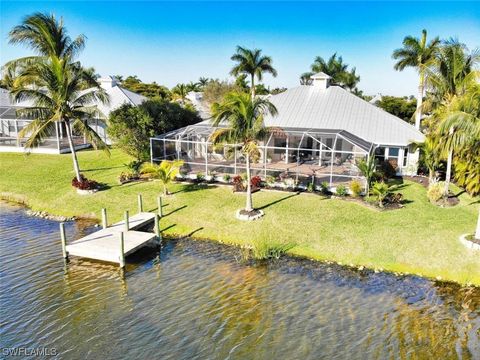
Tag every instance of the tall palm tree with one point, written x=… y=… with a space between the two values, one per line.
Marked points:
x=418 y=54
x=253 y=63
x=203 y=81
x=337 y=69
x=239 y=119
x=454 y=90
x=180 y=92
x=61 y=90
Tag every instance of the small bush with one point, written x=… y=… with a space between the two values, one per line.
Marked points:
x=256 y=181
x=356 y=188
x=85 y=184
x=243 y=176
x=380 y=191
x=341 y=190
x=436 y=191
x=238 y=183
x=270 y=180
x=226 y=178
x=324 y=188
x=200 y=177
x=394 y=198
x=289 y=183
x=264 y=251
x=311 y=187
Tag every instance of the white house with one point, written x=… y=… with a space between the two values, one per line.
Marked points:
x=324 y=131
x=11 y=124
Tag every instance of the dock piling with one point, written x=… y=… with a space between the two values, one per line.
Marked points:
x=140 y=203
x=127 y=225
x=157 y=229
x=122 y=250
x=64 y=240
x=104 y=218
x=160 y=206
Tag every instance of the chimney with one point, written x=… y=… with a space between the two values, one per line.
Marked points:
x=321 y=80
x=107 y=82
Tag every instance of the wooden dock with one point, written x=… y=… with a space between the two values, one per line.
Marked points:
x=113 y=243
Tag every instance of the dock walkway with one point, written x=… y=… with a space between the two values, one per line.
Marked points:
x=106 y=244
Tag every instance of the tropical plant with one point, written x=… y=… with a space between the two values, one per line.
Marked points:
x=192 y=86
x=203 y=81
x=418 y=54
x=402 y=107
x=242 y=115
x=252 y=63
x=380 y=191
x=131 y=127
x=436 y=191
x=325 y=188
x=166 y=172
x=337 y=69
x=341 y=190
x=305 y=78
x=60 y=89
x=429 y=153
x=455 y=101
x=356 y=188
x=368 y=169
x=180 y=92
x=216 y=90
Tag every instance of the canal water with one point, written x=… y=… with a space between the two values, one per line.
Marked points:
x=198 y=300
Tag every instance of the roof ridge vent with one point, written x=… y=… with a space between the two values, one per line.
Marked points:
x=321 y=80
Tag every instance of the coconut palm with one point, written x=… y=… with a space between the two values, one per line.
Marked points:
x=430 y=154
x=418 y=54
x=368 y=169
x=239 y=119
x=60 y=89
x=305 y=78
x=180 y=92
x=203 y=81
x=166 y=172
x=454 y=88
x=252 y=63
x=337 y=69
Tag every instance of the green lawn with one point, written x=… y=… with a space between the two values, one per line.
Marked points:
x=420 y=238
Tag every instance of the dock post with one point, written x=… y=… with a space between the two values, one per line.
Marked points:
x=127 y=225
x=157 y=229
x=140 y=203
x=104 y=218
x=160 y=206
x=64 y=240
x=122 y=250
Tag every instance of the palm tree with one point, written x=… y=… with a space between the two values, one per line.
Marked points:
x=192 y=86
x=61 y=90
x=253 y=63
x=454 y=98
x=430 y=153
x=180 y=92
x=242 y=117
x=368 y=168
x=337 y=69
x=419 y=54
x=203 y=81
x=166 y=172
x=305 y=78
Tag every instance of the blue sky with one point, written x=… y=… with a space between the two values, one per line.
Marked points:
x=171 y=42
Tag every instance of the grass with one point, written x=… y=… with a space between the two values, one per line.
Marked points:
x=418 y=239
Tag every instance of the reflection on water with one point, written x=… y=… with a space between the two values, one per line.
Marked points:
x=194 y=300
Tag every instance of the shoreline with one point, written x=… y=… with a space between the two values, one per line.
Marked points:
x=15 y=200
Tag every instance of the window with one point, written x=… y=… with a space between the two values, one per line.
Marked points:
x=393 y=152
x=380 y=154
x=405 y=157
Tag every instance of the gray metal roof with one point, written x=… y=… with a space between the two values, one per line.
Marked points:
x=117 y=95
x=314 y=107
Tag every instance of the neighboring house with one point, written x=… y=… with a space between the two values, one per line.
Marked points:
x=322 y=131
x=11 y=124
x=196 y=98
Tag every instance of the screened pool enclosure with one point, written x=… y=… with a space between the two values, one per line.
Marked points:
x=302 y=155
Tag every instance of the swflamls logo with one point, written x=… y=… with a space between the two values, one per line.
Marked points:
x=25 y=351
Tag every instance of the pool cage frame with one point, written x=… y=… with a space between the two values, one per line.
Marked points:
x=317 y=155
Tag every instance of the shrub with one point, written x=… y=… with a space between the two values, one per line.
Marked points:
x=394 y=198
x=226 y=178
x=270 y=180
x=238 y=183
x=356 y=188
x=289 y=183
x=380 y=191
x=200 y=176
x=324 y=188
x=436 y=191
x=256 y=181
x=243 y=176
x=84 y=184
x=261 y=251
x=311 y=187
x=341 y=190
